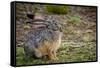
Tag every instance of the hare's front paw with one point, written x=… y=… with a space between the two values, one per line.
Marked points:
x=53 y=57
x=54 y=60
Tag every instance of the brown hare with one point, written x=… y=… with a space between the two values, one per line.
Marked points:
x=44 y=40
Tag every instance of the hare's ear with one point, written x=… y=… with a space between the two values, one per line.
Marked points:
x=39 y=26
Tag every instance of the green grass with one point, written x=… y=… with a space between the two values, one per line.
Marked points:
x=66 y=53
x=75 y=20
x=57 y=9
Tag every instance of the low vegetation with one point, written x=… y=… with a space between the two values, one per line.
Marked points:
x=57 y=9
x=75 y=20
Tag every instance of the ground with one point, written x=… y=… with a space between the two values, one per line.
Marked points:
x=66 y=53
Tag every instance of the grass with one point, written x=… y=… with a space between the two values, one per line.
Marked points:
x=75 y=20
x=66 y=53
x=57 y=9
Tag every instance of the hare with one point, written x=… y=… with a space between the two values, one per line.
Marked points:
x=44 y=39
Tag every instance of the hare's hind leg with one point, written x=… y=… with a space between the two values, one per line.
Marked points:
x=38 y=54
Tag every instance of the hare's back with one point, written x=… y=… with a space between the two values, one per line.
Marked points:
x=37 y=37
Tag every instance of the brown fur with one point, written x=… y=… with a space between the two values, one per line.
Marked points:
x=49 y=49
